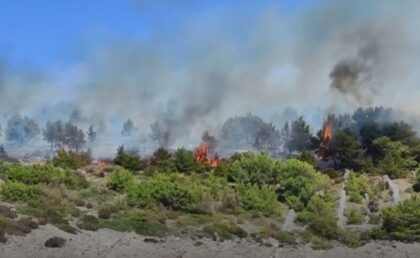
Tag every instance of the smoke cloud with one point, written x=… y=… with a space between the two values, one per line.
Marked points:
x=327 y=56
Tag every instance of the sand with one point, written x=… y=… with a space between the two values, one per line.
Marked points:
x=109 y=244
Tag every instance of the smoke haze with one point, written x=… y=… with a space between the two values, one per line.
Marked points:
x=327 y=56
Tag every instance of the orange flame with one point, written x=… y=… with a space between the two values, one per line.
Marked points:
x=328 y=131
x=202 y=155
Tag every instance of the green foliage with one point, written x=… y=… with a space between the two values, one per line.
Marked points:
x=128 y=161
x=321 y=217
x=224 y=231
x=46 y=174
x=347 y=148
x=16 y=191
x=262 y=199
x=300 y=136
x=170 y=191
x=308 y=157
x=354 y=216
x=416 y=186
x=137 y=224
x=396 y=159
x=88 y=222
x=402 y=222
x=120 y=180
x=254 y=168
x=185 y=162
x=299 y=181
x=357 y=185
x=72 y=160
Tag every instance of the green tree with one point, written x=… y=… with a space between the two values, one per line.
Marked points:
x=298 y=182
x=300 y=136
x=345 y=147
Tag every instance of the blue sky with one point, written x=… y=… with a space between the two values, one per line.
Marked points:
x=46 y=33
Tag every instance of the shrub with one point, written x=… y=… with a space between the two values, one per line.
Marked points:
x=262 y=199
x=357 y=185
x=224 y=231
x=402 y=222
x=416 y=186
x=16 y=191
x=171 y=191
x=185 y=162
x=72 y=160
x=320 y=215
x=308 y=157
x=120 y=180
x=46 y=174
x=354 y=216
x=298 y=182
x=128 y=160
x=136 y=223
x=254 y=168
x=88 y=222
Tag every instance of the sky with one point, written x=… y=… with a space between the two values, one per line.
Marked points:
x=191 y=64
x=47 y=33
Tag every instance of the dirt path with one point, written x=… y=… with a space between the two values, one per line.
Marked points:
x=111 y=244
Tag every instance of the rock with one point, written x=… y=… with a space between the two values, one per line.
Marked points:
x=55 y=242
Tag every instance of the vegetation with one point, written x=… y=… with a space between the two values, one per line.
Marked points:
x=130 y=161
x=357 y=185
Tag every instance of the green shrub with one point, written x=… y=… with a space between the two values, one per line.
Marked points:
x=262 y=199
x=137 y=224
x=321 y=217
x=170 y=191
x=88 y=222
x=120 y=180
x=185 y=162
x=354 y=216
x=298 y=182
x=72 y=160
x=402 y=222
x=46 y=174
x=285 y=237
x=127 y=160
x=254 y=168
x=16 y=191
x=224 y=231
x=357 y=185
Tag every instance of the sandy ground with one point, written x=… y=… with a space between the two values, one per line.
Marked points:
x=111 y=244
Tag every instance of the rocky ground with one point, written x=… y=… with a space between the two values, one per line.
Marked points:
x=107 y=243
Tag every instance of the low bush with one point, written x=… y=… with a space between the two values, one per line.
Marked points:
x=120 y=180
x=254 y=168
x=298 y=182
x=46 y=174
x=16 y=191
x=130 y=161
x=71 y=160
x=88 y=222
x=137 y=224
x=354 y=217
x=357 y=185
x=170 y=191
x=262 y=199
x=402 y=222
x=321 y=217
x=224 y=231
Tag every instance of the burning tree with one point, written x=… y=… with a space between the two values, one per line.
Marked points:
x=202 y=155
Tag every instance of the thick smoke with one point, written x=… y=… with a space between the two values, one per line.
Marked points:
x=330 y=56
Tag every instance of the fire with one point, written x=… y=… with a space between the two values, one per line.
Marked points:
x=202 y=155
x=103 y=163
x=327 y=131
